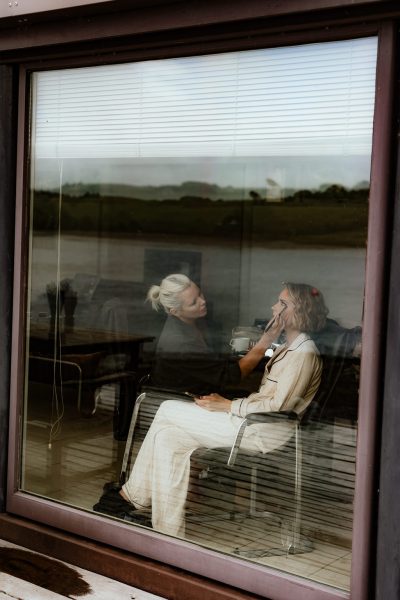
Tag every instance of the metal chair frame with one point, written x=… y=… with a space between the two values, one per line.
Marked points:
x=344 y=341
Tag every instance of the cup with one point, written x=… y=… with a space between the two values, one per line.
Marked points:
x=240 y=344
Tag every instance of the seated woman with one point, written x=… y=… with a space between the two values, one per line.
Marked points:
x=185 y=358
x=160 y=476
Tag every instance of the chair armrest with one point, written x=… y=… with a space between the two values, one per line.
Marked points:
x=45 y=369
x=169 y=393
x=271 y=417
x=251 y=419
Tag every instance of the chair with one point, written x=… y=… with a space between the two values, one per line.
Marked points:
x=45 y=370
x=338 y=391
x=237 y=465
x=145 y=408
x=336 y=345
x=337 y=405
x=80 y=372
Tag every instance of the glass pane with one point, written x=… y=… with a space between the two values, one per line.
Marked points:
x=234 y=173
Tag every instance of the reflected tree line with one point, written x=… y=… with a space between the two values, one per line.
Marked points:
x=331 y=215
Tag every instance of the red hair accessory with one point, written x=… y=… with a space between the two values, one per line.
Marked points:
x=314 y=292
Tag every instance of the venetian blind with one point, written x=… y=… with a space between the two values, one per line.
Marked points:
x=315 y=99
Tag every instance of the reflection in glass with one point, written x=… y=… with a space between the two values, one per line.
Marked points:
x=240 y=171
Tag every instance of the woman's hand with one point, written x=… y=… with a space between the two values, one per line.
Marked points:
x=214 y=403
x=250 y=360
x=273 y=330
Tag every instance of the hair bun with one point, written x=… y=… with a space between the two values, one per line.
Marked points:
x=153 y=295
x=167 y=295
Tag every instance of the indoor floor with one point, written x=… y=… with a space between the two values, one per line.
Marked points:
x=69 y=462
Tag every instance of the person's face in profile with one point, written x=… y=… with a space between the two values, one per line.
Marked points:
x=193 y=305
x=285 y=303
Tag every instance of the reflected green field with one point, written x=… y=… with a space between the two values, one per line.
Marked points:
x=322 y=222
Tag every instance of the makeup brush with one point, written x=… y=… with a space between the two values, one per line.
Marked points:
x=272 y=321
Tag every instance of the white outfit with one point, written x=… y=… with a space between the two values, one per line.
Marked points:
x=160 y=475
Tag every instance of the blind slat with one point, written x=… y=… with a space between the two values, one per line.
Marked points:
x=311 y=99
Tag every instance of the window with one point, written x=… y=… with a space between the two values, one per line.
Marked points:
x=239 y=170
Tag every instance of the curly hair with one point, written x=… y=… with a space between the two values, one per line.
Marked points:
x=310 y=311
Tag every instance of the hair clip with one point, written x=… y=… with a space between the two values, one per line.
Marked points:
x=314 y=292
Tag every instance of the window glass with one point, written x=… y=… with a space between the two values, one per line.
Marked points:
x=242 y=174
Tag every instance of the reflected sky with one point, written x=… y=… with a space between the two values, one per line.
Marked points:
x=296 y=172
x=299 y=115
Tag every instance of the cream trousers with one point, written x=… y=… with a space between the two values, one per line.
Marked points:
x=160 y=475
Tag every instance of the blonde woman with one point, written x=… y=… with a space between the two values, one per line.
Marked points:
x=185 y=358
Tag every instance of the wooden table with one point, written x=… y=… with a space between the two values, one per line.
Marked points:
x=87 y=349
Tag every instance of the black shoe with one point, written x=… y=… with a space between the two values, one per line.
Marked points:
x=112 y=503
x=112 y=485
x=131 y=516
x=138 y=518
x=110 y=511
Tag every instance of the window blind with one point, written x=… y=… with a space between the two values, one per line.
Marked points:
x=315 y=99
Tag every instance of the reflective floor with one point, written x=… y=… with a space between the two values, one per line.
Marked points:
x=83 y=456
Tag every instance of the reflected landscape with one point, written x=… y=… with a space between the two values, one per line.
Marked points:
x=240 y=252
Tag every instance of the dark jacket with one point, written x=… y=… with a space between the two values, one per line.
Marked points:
x=185 y=360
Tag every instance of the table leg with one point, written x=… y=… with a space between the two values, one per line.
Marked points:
x=123 y=409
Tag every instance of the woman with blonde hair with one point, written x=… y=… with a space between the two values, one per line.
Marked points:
x=185 y=357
